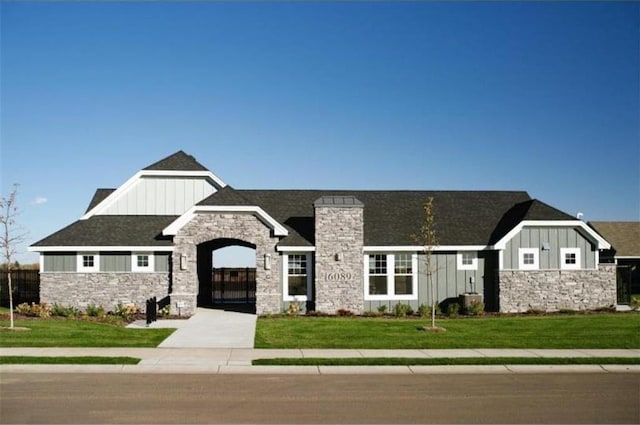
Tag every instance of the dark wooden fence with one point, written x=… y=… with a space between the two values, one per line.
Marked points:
x=234 y=285
x=26 y=287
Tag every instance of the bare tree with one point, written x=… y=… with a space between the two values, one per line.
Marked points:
x=428 y=239
x=10 y=238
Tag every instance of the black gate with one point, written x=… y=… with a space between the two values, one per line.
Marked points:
x=234 y=285
x=623 y=284
x=26 y=287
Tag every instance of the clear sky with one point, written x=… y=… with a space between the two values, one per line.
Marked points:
x=542 y=97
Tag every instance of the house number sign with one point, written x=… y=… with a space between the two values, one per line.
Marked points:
x=335 y=276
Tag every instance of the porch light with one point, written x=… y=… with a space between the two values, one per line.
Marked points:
x=267 y=261
x=546 y=246
x=183 y=262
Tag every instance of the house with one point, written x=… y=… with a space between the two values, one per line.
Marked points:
x=324 y=249
x=624 y=237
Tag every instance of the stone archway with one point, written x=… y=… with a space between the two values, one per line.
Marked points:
x=206 y=227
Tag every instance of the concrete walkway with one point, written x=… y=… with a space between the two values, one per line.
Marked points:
x=238 y=360
x=208 y=328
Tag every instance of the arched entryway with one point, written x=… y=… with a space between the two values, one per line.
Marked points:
x=224 y=284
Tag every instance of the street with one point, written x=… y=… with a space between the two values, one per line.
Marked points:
x=460 y=398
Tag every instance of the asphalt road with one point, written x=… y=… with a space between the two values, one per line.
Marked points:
x=469 y=398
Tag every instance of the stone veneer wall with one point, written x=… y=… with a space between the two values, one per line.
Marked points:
x=105 y=289
x=206 y=227
x=339 y=283
x=552 y=290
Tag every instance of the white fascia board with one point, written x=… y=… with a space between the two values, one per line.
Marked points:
x=414 y=248
x=100 y=248
x=627 y=257
x=601 y=243
x=295 y=248
x=172 y=229
x=116 y=194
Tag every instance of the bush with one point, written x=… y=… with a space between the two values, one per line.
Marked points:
x=382 y=309
x=34 y=310
x=294 y=308
x=402 y=310
x=344 y=312
x=62 y=311
x=453 y=309
x=127 y=312
x=165 y=311
x=425 y=310
x=93 y=310
x=475 y=309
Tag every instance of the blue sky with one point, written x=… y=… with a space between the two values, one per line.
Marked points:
x=542 y=97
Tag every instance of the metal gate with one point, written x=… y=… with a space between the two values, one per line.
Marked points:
x=623 y=284
x=234 y=285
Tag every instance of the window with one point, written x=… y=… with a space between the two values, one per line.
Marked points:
x=88 y=262
x=528 y=259
x=570 y=258
x=391 y=276
x=467 y=261
x=297 y=282
x=142 y=262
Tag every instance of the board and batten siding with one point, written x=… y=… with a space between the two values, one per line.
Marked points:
x=449 y=281
x=110 y=262
x=557 y=237
x=161 y=196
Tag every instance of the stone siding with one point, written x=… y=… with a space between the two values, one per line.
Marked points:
x=206 y=227
x=105 y=289
x=552 y=290
x=339 y=234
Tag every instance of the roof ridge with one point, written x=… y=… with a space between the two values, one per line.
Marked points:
x=178 y=161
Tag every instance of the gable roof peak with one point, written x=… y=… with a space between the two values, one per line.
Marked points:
x=179 y=161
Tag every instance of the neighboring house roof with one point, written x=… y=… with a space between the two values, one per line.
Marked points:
x=112 y=230
x=390 y=217
x=179 y=161
x=624 y=236
x=99 y=196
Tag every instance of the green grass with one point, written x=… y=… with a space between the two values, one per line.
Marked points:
x=67 y=360
x=56 y=332
x=553 y=331
x=445 y=361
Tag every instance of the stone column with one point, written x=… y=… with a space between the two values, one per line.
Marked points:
x=339 y=234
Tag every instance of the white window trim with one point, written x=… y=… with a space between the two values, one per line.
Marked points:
x=474 y=261
x=577 y=265
x=391 y=266
x=96 y=262
x=285 y=278
x=134 y=262
x=536 y=258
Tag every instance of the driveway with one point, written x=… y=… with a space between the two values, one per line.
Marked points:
x=209 y=328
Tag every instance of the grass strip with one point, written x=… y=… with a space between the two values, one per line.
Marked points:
x=443 y=361
x=67 y=360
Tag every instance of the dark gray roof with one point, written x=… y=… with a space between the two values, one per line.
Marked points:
x=624 y=236
x=99 y=196
x=112 y=230
x=179 y=161
x=392 y=217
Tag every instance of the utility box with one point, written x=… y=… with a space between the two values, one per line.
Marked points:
x=469 y=298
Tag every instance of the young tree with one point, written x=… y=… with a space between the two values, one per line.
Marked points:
x=11 y=236
x=428 y=239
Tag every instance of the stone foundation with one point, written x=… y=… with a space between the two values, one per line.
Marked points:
x=104 y=289
x=552 y=290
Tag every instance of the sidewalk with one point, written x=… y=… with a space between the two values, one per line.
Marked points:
x=238 y=360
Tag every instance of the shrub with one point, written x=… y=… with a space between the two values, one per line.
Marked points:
x=371 y=314
x=344 y=312
x=382 y=309
x=402 y=310
x=93 y=310
x=34 y=310
x=165 y=311
x=294 y=308
x=425 y=310
x=453 y=309
x=62 y=311
x=567 y=311
x=635 y=302
x=475 y=309
x=127 y=312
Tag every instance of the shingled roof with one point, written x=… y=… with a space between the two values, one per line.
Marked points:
x=99 y=196
x=112 y=230
x=179 y=161
x=624 y=236
x=391 y=217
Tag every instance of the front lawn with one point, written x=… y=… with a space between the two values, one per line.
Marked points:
x=58 y=332
x=553 y=331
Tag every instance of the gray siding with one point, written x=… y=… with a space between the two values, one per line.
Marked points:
x=557 y=237
x=161 y=261
x=115 y=261
x=59 y=262
x=162 y=196
x=449 y=281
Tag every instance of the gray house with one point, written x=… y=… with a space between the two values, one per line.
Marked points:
x=327 y=250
